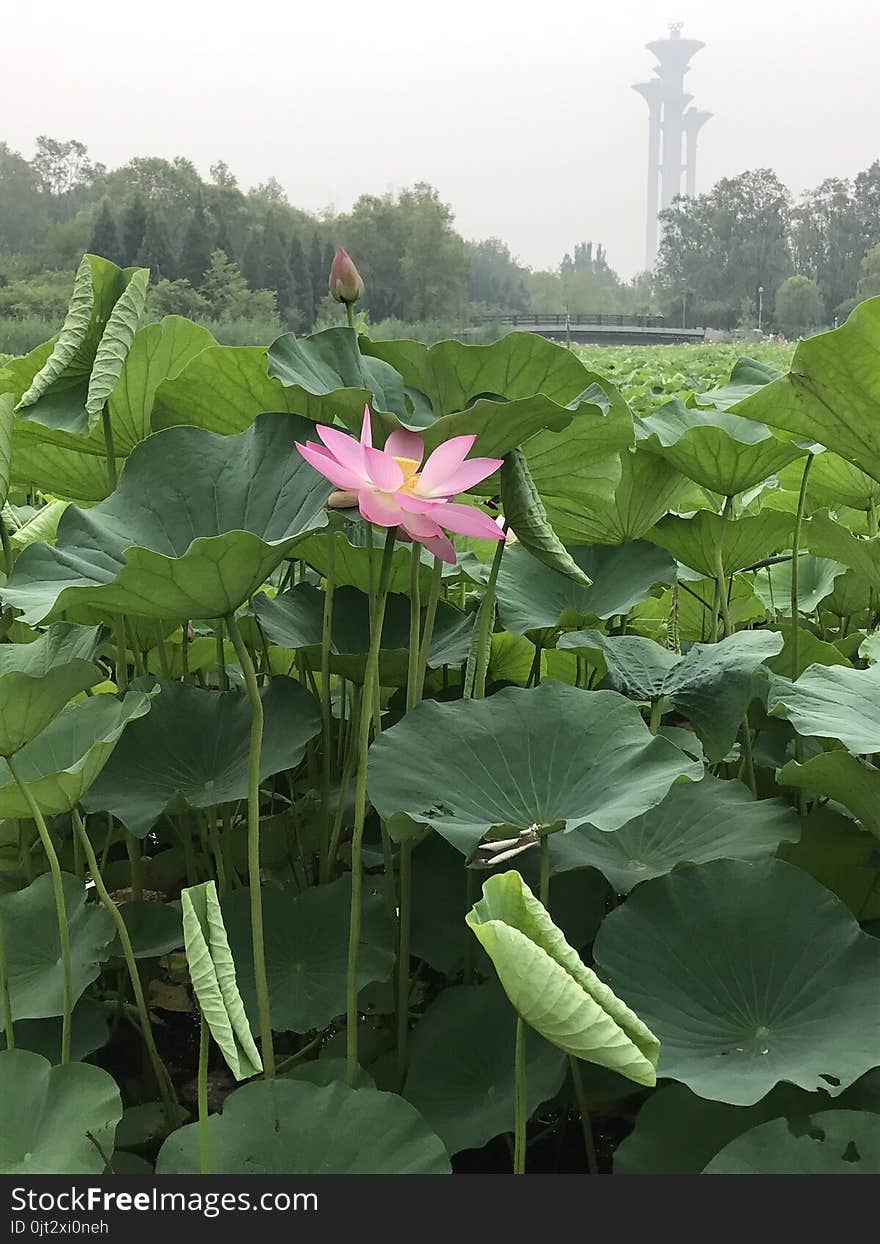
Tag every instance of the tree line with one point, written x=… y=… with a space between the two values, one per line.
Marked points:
x=743 y=253
x=748 y=250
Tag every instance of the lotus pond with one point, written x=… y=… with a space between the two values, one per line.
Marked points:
x=420 y=760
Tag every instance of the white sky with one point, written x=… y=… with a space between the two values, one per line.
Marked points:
x=520 y=113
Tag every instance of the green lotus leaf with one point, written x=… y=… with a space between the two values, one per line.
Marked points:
x=38 y=679
x=291 y=1127
x=89 y=1031
x=33 y=949
x=748 y=375
x=647 y=488
x=154 y=928
x=328 y=376
x=659 y=1145
x=352 y=558
x=811 y=651
x=212 y=972
x=105 y=306
x=221 y=389
x=833 y=482
x=7 y=403
x=712 y=685
x=693 y=541
x=715 y=449
x=842 y=777
x=550 y=987
x=56 y=1120
x=196 y=525
x=57 y=470
x=42 y=526
x=533 y=596
x=527 y=518
x=116 y=341
x=306 y=939
x=831 y=392
x=835 y=1142
x=696 y=822
x=826 y=538
x=293 y=620
x=63 y=761
x=546 y=757
x=578 y=465
x=461 y=1066
x=841 y=856
x=832 y=702
x=191 y=750
x=816 y=579
x=739 y=999
x=502 y=393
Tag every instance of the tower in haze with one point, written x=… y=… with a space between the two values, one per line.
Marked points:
x=673 y=127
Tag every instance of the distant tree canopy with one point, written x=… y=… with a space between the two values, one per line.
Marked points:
x=746 y=235
x=717 y=251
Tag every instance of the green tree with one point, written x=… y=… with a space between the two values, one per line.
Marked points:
x=276 y=265
x=134 y=224
x=497 y=281
x=177 y=298
x=718 y=248
x=828 y=241
x=869 y=274
x=798 y=305
x=253 y=259
x=105 y=235
x=228 y=296
x=23 y=210
x=195 y=258
x=155 y=252
x=303 y=292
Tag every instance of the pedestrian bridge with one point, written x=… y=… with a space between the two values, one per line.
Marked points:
x=602 y=328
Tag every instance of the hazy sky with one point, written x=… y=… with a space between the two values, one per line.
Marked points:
x=520 y=113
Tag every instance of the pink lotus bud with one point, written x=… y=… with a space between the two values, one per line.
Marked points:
x=346 y=284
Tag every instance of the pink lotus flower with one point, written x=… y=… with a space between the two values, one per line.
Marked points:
x=393 y=489
x=346 y=283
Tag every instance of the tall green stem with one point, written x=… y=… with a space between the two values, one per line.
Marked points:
x=371 y=685
x=403 y=954
x=204 y=1134
x=326 y=704
x=481 y=640
x=222 y=676
x=166 y=1087
x=4 y=994
x=60 y=904
x=586 y=1126
x=521 y=1105
x=544 y=877
x=720 y=574
x=8 y=557
x=795 y=556
x=109 y=448
x=415 y=615
x=261 y=981
x=428 y=630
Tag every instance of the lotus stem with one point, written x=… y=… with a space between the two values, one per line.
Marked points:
x=544 y=865
x=371 y=684
x=721 y=576
x=109 y=449
x=8 y=1028
x=481 y=640
x=121 y=652
x=222 y=675
x=795 y=554
x=326 y=703
x=349 y=316
x=403 y=955
x=60 y=905
x=7 y=547
x=415 y=612
x=428 y=630
x=163 y=1079
x=204 y=1134
x=521 y=1106
x=586 y=1125
x=261 y=981
x=133 y=847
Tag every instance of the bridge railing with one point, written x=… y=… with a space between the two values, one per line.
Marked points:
x=599 y=318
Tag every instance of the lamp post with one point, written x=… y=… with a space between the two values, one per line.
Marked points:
x=760 y=307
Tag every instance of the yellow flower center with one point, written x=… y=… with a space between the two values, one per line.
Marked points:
x=410 y=468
